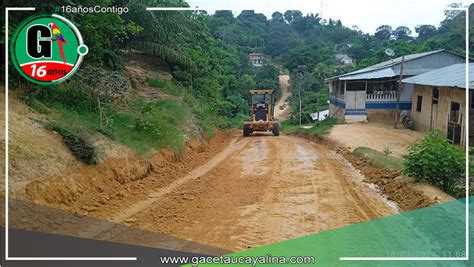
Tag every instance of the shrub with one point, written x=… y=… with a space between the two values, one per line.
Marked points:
x=435 y=160
x=156 y=82
x=378 y=159
x=80 y=146
x=319 y=129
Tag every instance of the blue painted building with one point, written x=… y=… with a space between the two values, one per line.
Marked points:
x=371 y=93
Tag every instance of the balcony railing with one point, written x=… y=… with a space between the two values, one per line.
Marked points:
x=382 y=95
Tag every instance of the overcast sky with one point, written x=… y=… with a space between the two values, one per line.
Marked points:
x=366 y=14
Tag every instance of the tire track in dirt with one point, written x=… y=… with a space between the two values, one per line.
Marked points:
x=257 y=191
x=141 y=205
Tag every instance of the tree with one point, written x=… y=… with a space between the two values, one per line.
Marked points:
x=291 y=15
x=227 y=15
x=425 y=31
x=277 y=17
x=451 y=14
x=402 y=33
x=383 y=33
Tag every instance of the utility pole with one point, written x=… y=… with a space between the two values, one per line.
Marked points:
x=299 y=93
x=317 y=109
x=399 y=89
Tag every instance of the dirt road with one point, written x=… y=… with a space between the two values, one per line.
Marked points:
x=378 y=136
x=282 y=107
x=257 y=191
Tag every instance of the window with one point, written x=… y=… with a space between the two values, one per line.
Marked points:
x=334 y=87
x=454 y=115
x=435 y=95
x=471 y=100
x=419 y=102
x=382 y=87
x=355 y=86
x=341 y=87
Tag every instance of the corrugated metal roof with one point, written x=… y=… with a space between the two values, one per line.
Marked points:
x=367 y=72
x=376 y=74
x=451 y=76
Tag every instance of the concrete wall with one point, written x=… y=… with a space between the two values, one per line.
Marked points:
x=406 y=93
x=427 y=117
x=381 y=115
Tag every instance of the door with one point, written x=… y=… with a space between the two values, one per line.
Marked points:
x=454 y=123
x=434 y=116
x=355 y=96
x=434 y=108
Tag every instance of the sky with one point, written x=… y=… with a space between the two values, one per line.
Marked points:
x=366 y=14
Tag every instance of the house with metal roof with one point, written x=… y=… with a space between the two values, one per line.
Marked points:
x=439 y=101
x=257 y=59
x=371 y=93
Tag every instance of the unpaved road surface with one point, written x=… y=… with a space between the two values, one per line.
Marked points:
x=257 y=191
x=282 y=107
x=375 y=135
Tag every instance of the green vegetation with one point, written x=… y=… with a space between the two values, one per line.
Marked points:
x=156 y=82
x=151 y=125
x=144 y=127
x=305 y=46
x=77 y=141
x=378 y=159
x=435 y=160
x=208 y=59
x=319 y=129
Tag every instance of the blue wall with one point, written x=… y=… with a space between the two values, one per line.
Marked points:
x=337 y=102
x=388 y=105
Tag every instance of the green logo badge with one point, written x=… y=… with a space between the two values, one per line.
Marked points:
x=47 y=49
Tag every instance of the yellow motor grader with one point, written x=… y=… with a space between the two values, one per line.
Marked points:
x=262 y=104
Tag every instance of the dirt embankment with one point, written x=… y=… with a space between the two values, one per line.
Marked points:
x=104 y=190
x=407 y=193
x=397 y=187
x=34 y=151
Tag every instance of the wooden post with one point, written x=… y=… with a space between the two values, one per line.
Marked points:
x=300 y=101
x=317 y=105
x=399 y=89
x=300 y=78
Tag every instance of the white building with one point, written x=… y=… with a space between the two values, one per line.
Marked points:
x=344 y=59
x=257 y=59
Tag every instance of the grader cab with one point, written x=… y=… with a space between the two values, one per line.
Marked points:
x=262 y=104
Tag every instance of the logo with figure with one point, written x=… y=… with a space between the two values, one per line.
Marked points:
x=47 y=49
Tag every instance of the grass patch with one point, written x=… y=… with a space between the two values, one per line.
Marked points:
x=156 y=82
x=37 y=106
x=319 y=129
x=152 y=125
x=143 y=126
x=378 y=159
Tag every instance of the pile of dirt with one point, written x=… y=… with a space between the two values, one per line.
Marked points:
x=391 y=182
